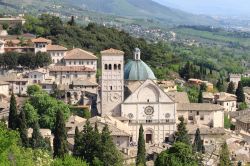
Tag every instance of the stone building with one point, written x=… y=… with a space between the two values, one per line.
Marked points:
x=56 y=53
x=131 y=94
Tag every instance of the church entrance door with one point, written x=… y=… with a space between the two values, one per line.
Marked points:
x=148 y=138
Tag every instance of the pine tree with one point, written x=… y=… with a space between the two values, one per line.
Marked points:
x=141 y=151
x=60 y=136
x=12 y=123
x=23 y=129
x=37 y=140
x=200 y=97
x=240 y=93
x=77 y=143
x=72 y=21
x=182 y=133
x=110 y=155
x=224 y=156
x=198 y=144
x=219 y=85
x=230 y=88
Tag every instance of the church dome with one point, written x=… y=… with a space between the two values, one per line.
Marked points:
x=137 y=70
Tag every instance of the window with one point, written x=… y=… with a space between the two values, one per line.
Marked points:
x=76 y=75
x=110 y=67
x=106 y=67
x=88 y=75
x=74 y=62
x=148 y=121
x=197 y=113
x=202 y=117
x=87 y=62
x=34 y=76
x=92 y=62
x=119 y=67
x=111 y=87
x=70 y=62
x=148 y=100
x=115 y=67
x=190 y=118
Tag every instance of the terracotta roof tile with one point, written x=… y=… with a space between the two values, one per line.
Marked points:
x=112 y=51
x=198 y=107
x=70 y=68
x=78 y=53
x=55 y=48
x=41 y=40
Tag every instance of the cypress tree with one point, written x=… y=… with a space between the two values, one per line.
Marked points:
x=23 y=129
x=198 y=144
x=77 y=143
x=240 y=93
x=141 y=151
x=224 y=156
x=12 y=123
x=200 y=97
x=37 y=140
x=109 y=154
x=230 y=88
x=60 y=136
x=182 y=133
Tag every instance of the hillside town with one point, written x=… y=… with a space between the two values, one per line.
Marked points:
x=125 y=95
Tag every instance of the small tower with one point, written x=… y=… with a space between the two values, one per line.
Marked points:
x=137 y=54
x=112 y=82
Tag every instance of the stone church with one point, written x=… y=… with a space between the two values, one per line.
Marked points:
x=129 y=93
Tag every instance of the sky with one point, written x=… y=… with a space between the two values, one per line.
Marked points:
x=238 y=8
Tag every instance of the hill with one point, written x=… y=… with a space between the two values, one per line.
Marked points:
x=143 y=9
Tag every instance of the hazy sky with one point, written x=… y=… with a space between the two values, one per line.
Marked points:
x=211 y=7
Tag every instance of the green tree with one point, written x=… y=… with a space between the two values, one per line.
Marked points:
x=60 y=136
x=110 y=155
x=30 y=114
x=200 y=97
x=224 y=155
x=230 y=88
x=141 y=151
x=68 y=161
x=182 y=133
x=90 y=144
x=180 y=154
x=72 y=21
x=32 y=89
x=77 y=142
x=240 y=93
x=198 y=144
x=12 y=123
x=37 y=141
x=42 y=59
x=23 y=129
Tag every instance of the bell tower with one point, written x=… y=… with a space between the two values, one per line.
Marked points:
x=112 y=82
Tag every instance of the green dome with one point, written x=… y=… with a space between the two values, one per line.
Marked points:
x=136 y=70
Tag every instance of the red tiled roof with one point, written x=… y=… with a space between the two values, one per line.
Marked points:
x=78 y=53
x=55 y=48
x=41 y=40
x=70 y=68
x=112 y=51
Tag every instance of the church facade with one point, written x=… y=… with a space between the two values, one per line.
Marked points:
x=130 y=93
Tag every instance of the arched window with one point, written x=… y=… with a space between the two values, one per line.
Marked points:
x=110 y=67
x=106 y=66
x=119 y=67
x=115 y=66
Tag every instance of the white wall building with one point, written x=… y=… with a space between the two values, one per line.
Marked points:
x=202 y=114
x=4 y=89
x=79 y=57
x=38 y=76
x=66 y=74
x=40 y=44
x=56 y=53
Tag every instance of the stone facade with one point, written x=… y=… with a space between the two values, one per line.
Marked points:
x=112 y=82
